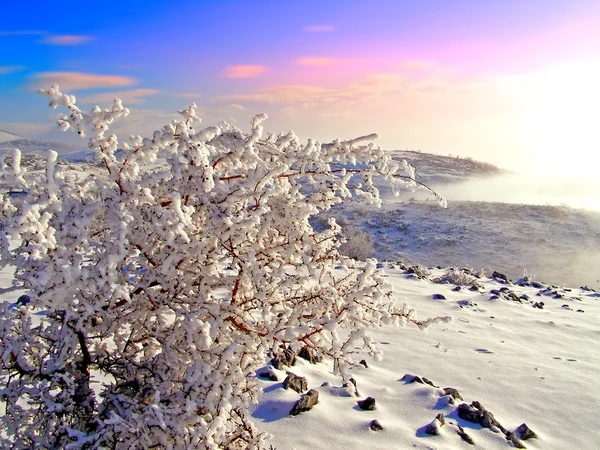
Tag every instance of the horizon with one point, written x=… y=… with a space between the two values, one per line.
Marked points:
x=508 y=83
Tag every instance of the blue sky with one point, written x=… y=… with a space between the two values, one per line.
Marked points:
x=511 y=82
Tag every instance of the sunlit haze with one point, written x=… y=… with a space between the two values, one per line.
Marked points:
x=511 y=82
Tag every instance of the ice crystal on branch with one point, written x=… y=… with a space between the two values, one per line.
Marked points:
x=170 y=277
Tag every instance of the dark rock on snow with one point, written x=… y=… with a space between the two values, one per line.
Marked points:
x=306 y=402
x=464 y=436
x=23 y=300
x=439 y=297
x=526 y=432
x=268 y=373
x=295 y=383
x=309 y=355
x=368 y=404
x=408 y=378
x=434 y=427
x=364 y=363
x=375 y=425
x=499 y=276
x=452 y=393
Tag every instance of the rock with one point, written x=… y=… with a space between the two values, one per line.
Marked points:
x=306 y=402
x=23 y=300
x=539 y=305
x=438 y=297
x=268 y=373
x=464 y=436
x=456 y=288
x=475 y=286
x=286 y=357
x=408 y=378
x=465 y=303
x=526 y=432
x=434 y=427
x=368 y=404
x=524 y=297
x=499 y=276
x=512 y=437
x=476 y=414
x=452 y=393
x=537 y=285
x=295 y=383
x=364 y=363
x=375 y=425
x=310 y=355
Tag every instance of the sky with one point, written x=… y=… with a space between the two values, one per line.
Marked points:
x=511 y=82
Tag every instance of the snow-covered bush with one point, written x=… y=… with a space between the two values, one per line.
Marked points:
x=357 y=244
x=166 y=280
x=457 y=277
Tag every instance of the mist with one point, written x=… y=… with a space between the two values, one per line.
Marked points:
x=528 y=189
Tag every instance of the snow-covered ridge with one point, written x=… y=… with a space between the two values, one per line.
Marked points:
x=5 y=136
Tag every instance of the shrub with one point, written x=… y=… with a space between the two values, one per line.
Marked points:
x=129 y=268
x=357 y=244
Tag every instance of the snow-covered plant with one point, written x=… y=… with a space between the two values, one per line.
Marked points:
x=357 y=244
x=165 y=282
x=459 y=277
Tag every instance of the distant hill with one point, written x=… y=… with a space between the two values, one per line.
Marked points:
x=5 y=136
x=438 y=169
x=39 y=148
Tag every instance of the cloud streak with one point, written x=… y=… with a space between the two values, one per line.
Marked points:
x=67 y=39
x=74 y=81
x=130 y=97
x=244 y=71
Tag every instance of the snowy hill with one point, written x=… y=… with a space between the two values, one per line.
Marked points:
x=438 y=169
x=5 y=136
x=39 y=148
x=526 y=353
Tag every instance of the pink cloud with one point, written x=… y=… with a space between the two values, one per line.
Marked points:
x=129 y=97
x=67 y=39
x=244 y=71
x=73 y=81
x=317 y=61
x=319 y=28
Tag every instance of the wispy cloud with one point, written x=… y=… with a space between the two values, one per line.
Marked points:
x=10 y=69
x=73 y=81
x=317 y=61
x=191 y=95
x=244 y=71
x=66 y=39
x=129 y=97
x=319 y=28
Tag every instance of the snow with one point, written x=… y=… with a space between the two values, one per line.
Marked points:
x=524 y=364
x=5 y=136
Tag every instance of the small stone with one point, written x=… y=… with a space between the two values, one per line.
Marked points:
x=309 y=355
x=306 y=402
x=456 y=289
x=375 y=425
x=512 y=437
x=526 y=432
x=23 y=300
x=464 y=436
x=295 y=383
x=268 y=373
x=434 y=427
x=452 y=393
x=438 y=297
x=368 y=404
x=499 y=276
x=364 y=363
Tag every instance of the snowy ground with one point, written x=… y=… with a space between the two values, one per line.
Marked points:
x=522 y=363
